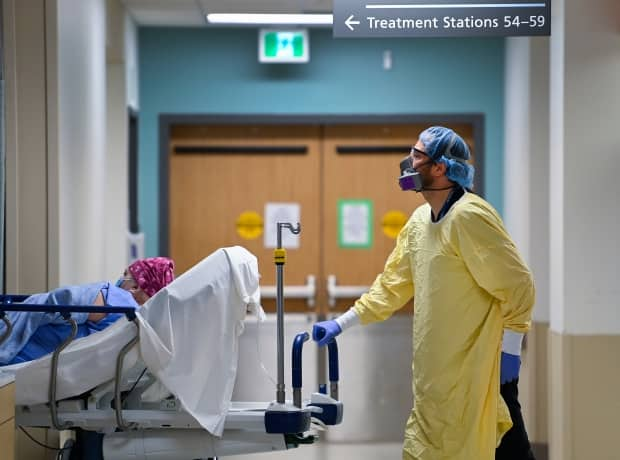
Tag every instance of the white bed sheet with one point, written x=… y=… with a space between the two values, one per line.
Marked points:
x=189 y=339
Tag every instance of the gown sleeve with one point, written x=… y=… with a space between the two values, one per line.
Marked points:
x=494 y=262
x=392 y=289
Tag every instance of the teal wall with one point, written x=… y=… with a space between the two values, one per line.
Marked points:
x=216 y=71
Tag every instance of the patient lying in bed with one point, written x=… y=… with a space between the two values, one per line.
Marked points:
x=36 y=334
x=188 y=339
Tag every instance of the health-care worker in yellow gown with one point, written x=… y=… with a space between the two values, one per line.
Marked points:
x=473 y=301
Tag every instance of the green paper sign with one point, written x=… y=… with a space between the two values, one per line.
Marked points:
x=355 y=219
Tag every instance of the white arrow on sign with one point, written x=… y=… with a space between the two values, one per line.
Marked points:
x=350 y=21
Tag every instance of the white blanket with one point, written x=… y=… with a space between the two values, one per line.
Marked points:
x=189 y=337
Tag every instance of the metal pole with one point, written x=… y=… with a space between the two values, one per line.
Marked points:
x=9 y=327
x=280 y=259
x=280 y=395
x=54 y=373
x=118 y=400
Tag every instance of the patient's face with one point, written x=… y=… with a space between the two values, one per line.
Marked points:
x=140 y=296
x=130 y=284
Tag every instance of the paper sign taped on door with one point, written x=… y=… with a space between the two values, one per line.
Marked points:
x=281 y=212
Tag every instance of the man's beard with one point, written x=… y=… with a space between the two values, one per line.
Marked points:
x=427 y=179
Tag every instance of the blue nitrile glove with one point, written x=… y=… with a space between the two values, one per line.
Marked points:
x=325 y=331
x=509 y=368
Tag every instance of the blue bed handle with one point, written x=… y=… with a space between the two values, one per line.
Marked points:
x=12 y=298
x=282 y=418
x=296 y=366
x=332 y=350
x=331 y=409
x=298 y=344
x=296 y=358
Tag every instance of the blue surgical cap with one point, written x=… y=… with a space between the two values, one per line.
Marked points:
x=443 y=145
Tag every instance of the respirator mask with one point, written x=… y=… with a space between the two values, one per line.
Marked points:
x=410 y=179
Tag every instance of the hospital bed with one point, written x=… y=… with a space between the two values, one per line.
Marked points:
x=171 y=406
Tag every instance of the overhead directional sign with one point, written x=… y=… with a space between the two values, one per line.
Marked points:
x=440 y=18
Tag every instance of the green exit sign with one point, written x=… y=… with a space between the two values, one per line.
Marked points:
x=283 y=46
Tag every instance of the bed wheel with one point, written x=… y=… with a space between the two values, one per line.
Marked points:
x=65 y=454
x=88 y=446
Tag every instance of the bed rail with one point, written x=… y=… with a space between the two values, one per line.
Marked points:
x=9 y=302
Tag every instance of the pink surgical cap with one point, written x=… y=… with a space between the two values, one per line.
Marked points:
x=152 y=274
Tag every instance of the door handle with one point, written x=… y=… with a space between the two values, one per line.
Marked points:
x=307 y=291
x=335 y=292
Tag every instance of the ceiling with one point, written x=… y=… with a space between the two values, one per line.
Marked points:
x=191 y=12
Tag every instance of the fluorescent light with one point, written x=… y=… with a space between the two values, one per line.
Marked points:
x=267 y=19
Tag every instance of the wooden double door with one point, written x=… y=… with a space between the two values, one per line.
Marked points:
x=222 y=177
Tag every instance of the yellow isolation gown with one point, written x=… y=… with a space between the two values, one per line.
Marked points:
x=469 y=283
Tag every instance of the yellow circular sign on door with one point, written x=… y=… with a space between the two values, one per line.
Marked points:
x=249 y=225
x=392 y=222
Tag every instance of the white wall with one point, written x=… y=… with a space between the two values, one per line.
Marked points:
x=83 y=213
x=556 y=181
x=517 y=145
x=131 y=62
x=585 y=146
x=526 y=194
x=27 y=41
x=66 y=189
x=116 y=187
x=93 y=162
x=526 y=161
x=540 y=168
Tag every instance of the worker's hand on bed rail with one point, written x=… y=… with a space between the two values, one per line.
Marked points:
x=324 y=331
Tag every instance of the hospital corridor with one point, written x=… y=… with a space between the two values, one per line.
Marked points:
x=309 y=229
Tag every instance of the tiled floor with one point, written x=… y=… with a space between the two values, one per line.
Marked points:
x=329 y=451
x=360 y=451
